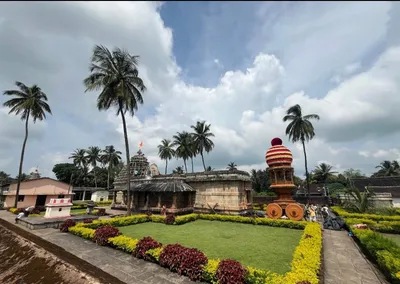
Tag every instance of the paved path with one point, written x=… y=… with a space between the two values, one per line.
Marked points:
x=344 y=263
x=117 y=263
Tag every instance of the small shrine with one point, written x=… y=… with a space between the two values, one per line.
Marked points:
x=58 y=208
x=279 y=160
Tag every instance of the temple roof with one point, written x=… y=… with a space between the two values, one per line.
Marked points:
x=171 y=186
x=379 y=184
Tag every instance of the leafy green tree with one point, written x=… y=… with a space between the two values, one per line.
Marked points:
x=116 y=75
x=201 y=139
x=111 y=157
x=166 y=152
x=352 y=173
x=178 y=170
x=209 y=169
x=231 y=166
x=183 y=149
x=66 y=172
x=300 y=129
x=260 y=180
x=28 y=102
x=4 y=178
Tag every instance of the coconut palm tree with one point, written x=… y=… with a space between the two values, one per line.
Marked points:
x=232 y=166
x=201 y=138
x=93 y=157
x=79 y=158
x=29 y=102
x=300 y=129
x=388 y=168
x=112 y=158
x=183 y=149
x=178 y=170
x=116 y=75
x=193 y=150
x=323 y=172
x=166 y=152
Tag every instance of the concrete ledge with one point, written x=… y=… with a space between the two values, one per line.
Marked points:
x=35 y=223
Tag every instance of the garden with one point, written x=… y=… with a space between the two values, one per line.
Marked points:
x=215 y=248
x=380 y=240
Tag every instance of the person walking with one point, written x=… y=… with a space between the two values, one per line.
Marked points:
x=313 y=215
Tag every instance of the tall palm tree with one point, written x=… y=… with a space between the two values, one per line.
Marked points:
x=116 y=75
x=300 y=129
x=79 y=158
x=112 y=158
x=232 y=166
x=323 y=172
x=93 y=157
x=166 y=152
x=201 y=138
x=183 y=150
x=193 y=150
x=29 y=102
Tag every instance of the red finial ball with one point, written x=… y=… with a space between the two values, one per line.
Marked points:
x=276 y=141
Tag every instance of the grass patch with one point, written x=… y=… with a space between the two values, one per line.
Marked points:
x=262 y=247
x=393 y=237
x=73 y=211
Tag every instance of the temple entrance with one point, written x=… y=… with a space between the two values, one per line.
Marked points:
x=41 y=200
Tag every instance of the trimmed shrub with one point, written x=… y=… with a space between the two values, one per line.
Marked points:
x=210 y=271
x=118 y=222
x=87 y=221
x=170 y=219
x=66 y=225
x=157 y=218
x=155 y=253
x=101 y=212
x=231 y=272
x=16 y=211
x=186 y=219
x=184 y=261
x=143 y=246
x=102 y=234
x=123 y=243
x=341 y=212
x=85 y=233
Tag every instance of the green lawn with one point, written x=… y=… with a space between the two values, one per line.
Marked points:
x=74 y=211
x=393 y=237
x=259 y=246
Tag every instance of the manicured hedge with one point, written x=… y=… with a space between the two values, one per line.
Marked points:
x=341 y=212
x=383 y=250
x=391 y=227
x=192 y=262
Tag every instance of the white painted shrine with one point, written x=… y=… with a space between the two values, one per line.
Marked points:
x=58 y=208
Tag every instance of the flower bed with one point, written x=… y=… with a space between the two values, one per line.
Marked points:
x=195 y=265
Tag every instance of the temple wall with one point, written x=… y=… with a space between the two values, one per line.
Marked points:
x=230 y=195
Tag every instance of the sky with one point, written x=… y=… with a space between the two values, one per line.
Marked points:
x=237 y=65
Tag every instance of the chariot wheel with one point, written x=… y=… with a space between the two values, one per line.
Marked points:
x=295 y=212
x=274 y=211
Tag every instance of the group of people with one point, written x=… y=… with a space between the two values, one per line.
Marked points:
x=311 y=212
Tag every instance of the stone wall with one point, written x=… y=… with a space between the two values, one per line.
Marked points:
x=379 y=200
x=230 y=195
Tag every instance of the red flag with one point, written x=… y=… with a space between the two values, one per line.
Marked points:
x=141 y=144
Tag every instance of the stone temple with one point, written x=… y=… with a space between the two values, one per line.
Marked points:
x=226 y=191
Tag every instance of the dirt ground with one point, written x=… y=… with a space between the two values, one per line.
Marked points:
x=28 y=259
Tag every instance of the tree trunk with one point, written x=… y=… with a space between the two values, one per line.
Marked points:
x=95 y=179
x=128 y=178
x=108 y=176
x=184 y=162
x=166 y=166
x=202 y=158
x=307 y=175
x=21 y=161
x=192 y=165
